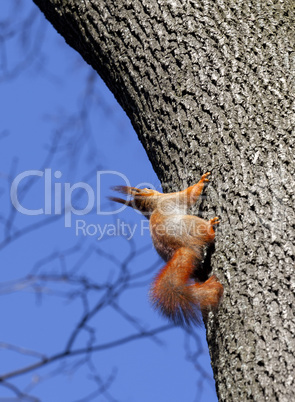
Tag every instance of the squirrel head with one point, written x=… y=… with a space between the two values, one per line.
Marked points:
x=143 y=199
x=147 y=200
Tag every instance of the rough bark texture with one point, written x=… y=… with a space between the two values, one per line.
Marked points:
x=209 y=85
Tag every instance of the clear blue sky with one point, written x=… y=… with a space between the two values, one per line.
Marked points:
x=50 y=97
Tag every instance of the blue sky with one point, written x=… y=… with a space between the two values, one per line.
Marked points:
x=57 y=114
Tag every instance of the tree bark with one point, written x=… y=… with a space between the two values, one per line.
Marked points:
x=209 y=86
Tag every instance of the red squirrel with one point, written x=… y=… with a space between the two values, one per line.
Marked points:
x=180 y=240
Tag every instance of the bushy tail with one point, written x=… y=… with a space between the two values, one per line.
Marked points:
x=180 y=299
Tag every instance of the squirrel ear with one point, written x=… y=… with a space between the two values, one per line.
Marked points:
x=127 y=190
x=122 y=189
x=121 y=201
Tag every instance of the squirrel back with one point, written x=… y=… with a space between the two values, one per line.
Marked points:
x=180 y=239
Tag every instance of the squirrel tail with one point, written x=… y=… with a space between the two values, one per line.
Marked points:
x=175 y=294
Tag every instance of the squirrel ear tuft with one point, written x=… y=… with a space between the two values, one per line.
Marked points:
x=127 y=190
x=122 y=189
x=121 y=201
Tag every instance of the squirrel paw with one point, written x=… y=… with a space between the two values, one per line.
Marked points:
x=214 y=221
x=204 y=177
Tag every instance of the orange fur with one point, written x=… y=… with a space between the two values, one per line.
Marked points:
x=180 y=239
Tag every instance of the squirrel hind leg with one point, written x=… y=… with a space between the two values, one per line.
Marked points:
x=209 y=294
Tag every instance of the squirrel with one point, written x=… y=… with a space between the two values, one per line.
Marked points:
x=180 y=239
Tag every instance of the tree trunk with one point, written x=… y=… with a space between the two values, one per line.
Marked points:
x=209 y=86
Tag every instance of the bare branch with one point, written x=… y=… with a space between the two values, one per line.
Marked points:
x=75 y=352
